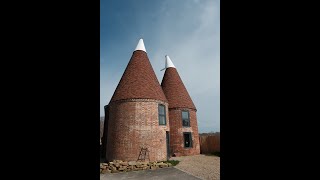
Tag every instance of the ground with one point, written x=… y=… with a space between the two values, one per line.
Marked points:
x=202 y=166
x=190 y=168
x=170 y=173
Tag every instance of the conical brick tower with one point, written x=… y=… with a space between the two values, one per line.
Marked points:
x=137 y=115
x=184 y=136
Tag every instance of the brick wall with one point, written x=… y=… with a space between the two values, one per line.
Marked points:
x=176 y=133
x=134 y=124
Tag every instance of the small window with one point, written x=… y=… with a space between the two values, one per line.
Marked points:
x=187 y=139
x=162 y=114
x=185 y=118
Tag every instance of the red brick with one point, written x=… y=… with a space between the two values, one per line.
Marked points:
x=179 y=99
x=175 y=91
x=133 y=124
x=139 y=80
x=133 y=114
x=177 y=130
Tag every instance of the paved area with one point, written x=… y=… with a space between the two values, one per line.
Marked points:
x=170 y=173
x=202 y=166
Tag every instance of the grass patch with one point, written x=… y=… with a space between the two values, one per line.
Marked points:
x=216 y=154
x=173 y=162
x=213 y=154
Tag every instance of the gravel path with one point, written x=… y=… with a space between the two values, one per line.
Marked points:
x=202 y=166
x=169 y=173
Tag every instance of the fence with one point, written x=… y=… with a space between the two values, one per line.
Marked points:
x=209 y=143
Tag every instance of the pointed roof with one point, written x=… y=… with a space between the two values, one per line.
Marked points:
x=174 y=89
x=140 y=46
x=139 y=80
x=169 y=62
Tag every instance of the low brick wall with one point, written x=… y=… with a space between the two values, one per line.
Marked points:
x=124 y=166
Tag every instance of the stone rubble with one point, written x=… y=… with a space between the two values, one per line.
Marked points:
x=124 y=166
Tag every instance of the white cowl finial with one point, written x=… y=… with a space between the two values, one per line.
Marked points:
x=140 y=46
x=168 y=63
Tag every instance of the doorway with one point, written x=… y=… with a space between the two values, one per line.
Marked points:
x=168 y=144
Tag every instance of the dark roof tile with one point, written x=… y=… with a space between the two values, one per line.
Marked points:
x=139 y=80
x=175 y=91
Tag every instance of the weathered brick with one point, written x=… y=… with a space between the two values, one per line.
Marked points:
x=175 y=91
x=177 y=130
x=134 y=124
x=179 y=99
x=132 y=115
x=139 y=80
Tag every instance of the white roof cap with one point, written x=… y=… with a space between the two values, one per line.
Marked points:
x=169 y=62
x=140 y=46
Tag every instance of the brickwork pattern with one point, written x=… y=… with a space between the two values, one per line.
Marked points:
x=133 y=124
x=139 y=80
x=177 y=130
x=175 y=91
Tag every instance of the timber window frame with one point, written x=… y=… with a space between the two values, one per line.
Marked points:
x=187 y=139
x=185 y=120
x=162 y=115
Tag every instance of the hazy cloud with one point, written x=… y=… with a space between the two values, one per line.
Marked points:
x=187 y=31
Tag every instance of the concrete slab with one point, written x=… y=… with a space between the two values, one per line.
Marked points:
x=170 y=173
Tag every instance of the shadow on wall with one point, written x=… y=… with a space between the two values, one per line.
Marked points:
x=101 y=134
x=209 y=143
x=101 y=126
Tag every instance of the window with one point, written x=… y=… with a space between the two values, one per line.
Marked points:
x=185 y=118
x=162 y=114
x=187 y=139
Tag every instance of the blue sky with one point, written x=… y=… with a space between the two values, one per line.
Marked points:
x=186 y=30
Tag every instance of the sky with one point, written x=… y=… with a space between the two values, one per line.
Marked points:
x=186 y=30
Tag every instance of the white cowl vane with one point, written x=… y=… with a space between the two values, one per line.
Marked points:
x=140 y=46
x=168 y=63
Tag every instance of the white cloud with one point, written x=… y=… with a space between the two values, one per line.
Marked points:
x=196 y=54
x=190 y=34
